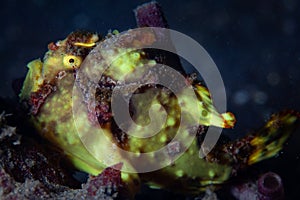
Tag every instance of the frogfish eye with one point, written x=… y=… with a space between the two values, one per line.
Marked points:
x=72 y=62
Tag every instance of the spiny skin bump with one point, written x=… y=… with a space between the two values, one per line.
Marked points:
x=48 y=90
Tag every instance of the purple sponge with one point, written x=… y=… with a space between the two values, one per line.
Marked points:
x=150 y=15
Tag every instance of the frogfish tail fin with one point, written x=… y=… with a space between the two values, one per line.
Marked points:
x=269 y=140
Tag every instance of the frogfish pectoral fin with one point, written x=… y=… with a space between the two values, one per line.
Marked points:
x=209 y=116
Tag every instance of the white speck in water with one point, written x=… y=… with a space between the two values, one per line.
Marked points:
x=260 y=97
x=81 y=20
x=241 y=97
x=273 y=78
x=289 y=27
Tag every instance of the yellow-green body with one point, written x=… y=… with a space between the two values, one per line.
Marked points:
x=54 y=121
